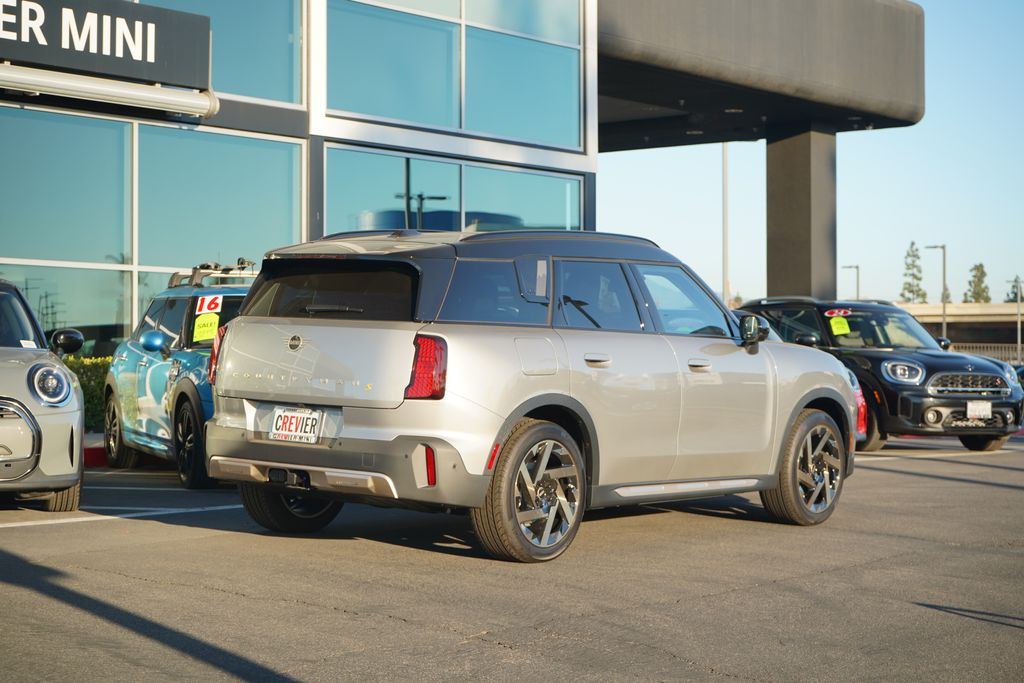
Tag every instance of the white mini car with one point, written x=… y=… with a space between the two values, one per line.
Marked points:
x=41 y=409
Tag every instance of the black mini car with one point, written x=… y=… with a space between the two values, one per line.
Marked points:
x=912 y=383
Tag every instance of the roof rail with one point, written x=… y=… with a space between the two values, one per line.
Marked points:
x=213 y=270
x=471 y=236
x=883 y=302
x=393 y=232
x=782 y=300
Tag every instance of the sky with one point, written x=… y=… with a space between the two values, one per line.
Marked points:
x=955 y=178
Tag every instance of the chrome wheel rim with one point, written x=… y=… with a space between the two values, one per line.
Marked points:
x=113 y=436
x=304 y=506
x=546 y=494
x=819 y=469
x=185 y=435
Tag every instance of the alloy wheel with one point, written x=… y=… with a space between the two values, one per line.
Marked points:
x=819 y=469
x=113 y=431
x=546 y=493
x=185 y=435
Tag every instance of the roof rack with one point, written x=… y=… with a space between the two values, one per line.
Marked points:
x=883 y=302
x=215 y=271
x=781 y=300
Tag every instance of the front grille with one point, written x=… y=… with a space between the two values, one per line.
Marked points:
x=970 y=384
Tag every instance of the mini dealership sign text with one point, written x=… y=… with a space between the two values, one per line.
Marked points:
x=112 y=38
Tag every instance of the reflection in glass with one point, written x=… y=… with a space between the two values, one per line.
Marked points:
x=392 y=64
x=449 y=8
x=551 y=19
x=522 y=89
x=150 y=284
x=96 y=302
x=366 y=191
x=64 y=187
x=505 y=200
x=210 y=197
x=256 y=45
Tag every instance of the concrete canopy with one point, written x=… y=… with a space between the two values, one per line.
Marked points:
x=679 y=72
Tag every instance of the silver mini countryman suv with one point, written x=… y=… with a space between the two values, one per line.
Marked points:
x=524 y=377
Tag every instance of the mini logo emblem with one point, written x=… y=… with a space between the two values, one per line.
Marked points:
x=970 y=368
x=295 y=342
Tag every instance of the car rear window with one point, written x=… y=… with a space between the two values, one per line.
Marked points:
x=204 y=325
x=339 y=289
x=490 y=292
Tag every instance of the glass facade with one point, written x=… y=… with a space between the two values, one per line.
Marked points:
x=257 y=45
x=367 y=190
x=521 y=77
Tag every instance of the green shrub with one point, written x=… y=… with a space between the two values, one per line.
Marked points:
x=92 y=373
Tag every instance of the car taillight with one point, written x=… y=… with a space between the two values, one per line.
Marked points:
x=862 y=412
x=429 y=368
x=211 y=368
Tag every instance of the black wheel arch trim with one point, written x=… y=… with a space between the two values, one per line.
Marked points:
x=187 y=388
x=587 y=423
x=801 y=405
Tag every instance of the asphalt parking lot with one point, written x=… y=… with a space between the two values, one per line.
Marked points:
x=918 y=575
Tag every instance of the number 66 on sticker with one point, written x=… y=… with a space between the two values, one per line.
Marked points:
x=208 y=304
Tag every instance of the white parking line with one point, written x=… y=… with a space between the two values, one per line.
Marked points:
x=129 y=515
x=136 y=508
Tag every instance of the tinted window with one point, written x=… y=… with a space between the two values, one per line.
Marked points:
x=793 y=322
x=878 y=329
x=151 y=318
x=205 y=325
x=172 y=320
x=681 y=305
x=596 y=295
x=16 y=329
x=347 y=290
x=488 y=292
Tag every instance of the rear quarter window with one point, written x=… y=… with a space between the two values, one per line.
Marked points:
x=490 y=292
x=334 y=289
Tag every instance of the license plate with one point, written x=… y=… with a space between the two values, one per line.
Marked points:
x=979 y=410
x=300 y=425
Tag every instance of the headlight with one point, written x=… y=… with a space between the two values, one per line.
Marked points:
x=1010 y=374
x=903 y=371
x=50 y=384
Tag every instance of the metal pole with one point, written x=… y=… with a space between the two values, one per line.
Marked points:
x=725 y=223
x=857 y=268
x=944 y=288
x=1016 y=282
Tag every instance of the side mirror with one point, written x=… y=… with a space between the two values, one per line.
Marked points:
x=154 y=341
x=807 y=339
x=754 y=329
x=944 y=343
x=67 y=340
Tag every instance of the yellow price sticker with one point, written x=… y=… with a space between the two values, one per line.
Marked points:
x=840 y=326
x=206 y=327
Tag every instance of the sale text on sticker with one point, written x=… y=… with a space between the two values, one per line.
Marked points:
x=206 y=326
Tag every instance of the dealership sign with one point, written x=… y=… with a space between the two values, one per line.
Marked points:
x=110 y=38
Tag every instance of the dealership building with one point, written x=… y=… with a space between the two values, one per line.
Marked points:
x=137 y=139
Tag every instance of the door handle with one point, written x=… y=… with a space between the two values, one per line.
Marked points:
x=121 y=357
x=599 y=359
x=143 y=363
x=699 y=364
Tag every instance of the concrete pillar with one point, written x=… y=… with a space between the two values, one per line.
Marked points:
x=802 y=211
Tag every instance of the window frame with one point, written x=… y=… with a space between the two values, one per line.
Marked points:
x=734 y=331
x=559 y=321
x=547 y=324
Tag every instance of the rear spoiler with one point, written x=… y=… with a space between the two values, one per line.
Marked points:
x=214 y=271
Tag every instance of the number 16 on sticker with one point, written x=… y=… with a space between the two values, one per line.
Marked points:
x=208 y=304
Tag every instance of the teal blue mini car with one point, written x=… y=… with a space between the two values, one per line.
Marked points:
x=157 y=397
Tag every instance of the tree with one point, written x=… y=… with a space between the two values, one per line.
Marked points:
x=736 y=301
x=977 y=290
x=947 y=298
x=1011 y=296
x=913 y=292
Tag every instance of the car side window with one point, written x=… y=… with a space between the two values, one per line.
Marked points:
x=491 y=292
x=172 y=320
x=151 y=318
x=681 y=305
x=791 y=322
x=595 y=295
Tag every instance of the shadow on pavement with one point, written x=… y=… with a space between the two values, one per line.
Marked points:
x=990 y=617
x=17 y=571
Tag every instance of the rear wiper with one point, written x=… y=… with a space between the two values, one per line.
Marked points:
x=313 y=309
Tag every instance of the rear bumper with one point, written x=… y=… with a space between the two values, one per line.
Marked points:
x=911 y=409
x=394 y=470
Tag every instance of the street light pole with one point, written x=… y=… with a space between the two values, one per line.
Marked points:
x=857 y=268
x=1016 y=287
x=725 y=223
x=944 y=287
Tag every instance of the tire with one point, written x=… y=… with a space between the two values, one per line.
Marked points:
x=983 y=443
x=285 y=512
x=540 y=473
x=875 y=440
x=64 y=501
x=119 y=455
x=811 y=473
x=189 y=449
